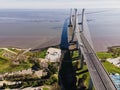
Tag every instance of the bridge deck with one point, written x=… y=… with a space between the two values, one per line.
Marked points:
x=99 y=76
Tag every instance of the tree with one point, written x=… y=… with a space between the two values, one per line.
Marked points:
x=55 y=87
x=4 y=85
x=53 y=68
x=51 y=80
x=84 y=76
x=36 y=66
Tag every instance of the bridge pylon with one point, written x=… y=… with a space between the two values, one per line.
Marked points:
x=72 y=32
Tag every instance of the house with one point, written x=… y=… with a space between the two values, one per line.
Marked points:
x=43 y=63
x=40 y=73
x=53 y=54
x=1 y=77
x=9 y=55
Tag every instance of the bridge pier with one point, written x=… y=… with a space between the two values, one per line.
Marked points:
x=67 y=74
x=81 y=56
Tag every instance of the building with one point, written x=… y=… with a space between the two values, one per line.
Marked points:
x=43 y=63
x=53 y=54
x=1 y=77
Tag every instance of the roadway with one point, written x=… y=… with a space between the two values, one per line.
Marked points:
x=100 y=78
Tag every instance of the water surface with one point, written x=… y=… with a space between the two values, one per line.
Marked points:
x=38 y=28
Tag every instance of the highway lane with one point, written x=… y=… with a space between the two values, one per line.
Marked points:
x=99 y=76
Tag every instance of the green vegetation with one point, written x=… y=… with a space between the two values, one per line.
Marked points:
x=1 y=51
x=75 y=54
x=41 y=54
x=108 y=66
x=83 y=74
x=115 y=50
x=45 y=88
x=53 y=79
x=111 y=68
x=104 y=55
x=55 y=86
x=80 y=75
x=14 y=50
x=110 y=54
x=29 y=54
x=3 y=64
x=53 y=67
x=9 y=63
x=7 y=66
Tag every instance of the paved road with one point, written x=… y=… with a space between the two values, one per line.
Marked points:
x=9 y=50
x=99 y=76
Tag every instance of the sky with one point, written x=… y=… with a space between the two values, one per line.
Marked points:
x=58 y=4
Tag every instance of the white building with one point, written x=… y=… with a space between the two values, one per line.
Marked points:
x=53 y=54
x=43 y=63
x=115 y=61
x=1 y=77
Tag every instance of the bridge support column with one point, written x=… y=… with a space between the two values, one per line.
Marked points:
x=81 y=57
x=90 y=85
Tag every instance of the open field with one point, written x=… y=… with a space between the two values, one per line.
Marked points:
x=104 y=55
x=6 y=64
x=111 y=68
x=108 y=66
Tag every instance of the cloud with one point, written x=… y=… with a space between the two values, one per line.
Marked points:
x=33 y=4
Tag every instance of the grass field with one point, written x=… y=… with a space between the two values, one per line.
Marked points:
x=42 y=54
x=108 y=66
x=6 y=66
x=111 y=68
x=82 y=72
x=104 y=55
x=1 y=51
x=45 y=88
x=14 y=50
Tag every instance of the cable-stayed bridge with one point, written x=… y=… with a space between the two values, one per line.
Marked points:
x=78 y=33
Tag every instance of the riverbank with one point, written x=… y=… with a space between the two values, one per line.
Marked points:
x=24 y=42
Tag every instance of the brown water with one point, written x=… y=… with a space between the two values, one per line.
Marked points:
x=40 y=28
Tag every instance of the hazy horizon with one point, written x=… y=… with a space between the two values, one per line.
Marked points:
x=53 y=4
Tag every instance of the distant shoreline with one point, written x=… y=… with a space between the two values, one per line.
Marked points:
x=23 y=43
x=45 y=46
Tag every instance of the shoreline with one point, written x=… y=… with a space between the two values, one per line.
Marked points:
x=24 y=43
x=45 y=44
